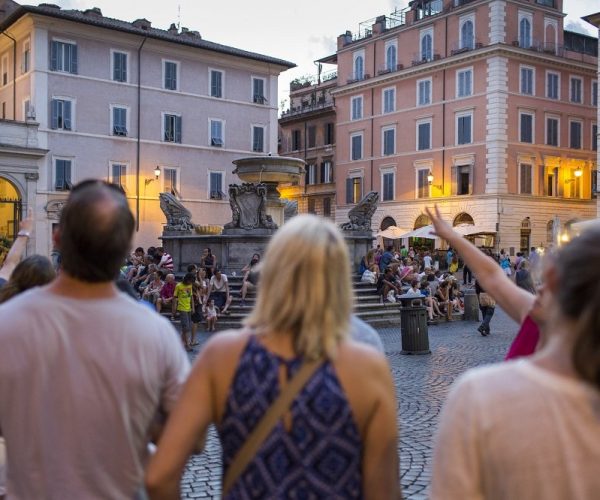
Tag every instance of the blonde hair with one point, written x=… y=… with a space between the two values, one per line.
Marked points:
x=305 y=287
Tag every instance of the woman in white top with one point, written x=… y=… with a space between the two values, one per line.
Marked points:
x=530 y=429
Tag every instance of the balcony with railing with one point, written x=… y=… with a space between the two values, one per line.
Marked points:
x=460 y=47
x=321 y=103
x=387 y=68
x=574 y=48
x=353 y=77
x=419 y=59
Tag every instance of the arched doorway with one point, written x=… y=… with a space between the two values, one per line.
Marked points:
x=421 y=243
x=10 y=215
x=463 y=218
x=422 y=221
x=385 y=223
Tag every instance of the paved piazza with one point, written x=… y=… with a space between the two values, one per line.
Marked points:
x=422 y=383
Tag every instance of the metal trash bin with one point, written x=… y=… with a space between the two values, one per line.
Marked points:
x=413 y=325
x=471 y=305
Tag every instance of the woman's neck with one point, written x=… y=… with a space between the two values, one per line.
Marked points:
x=556 y=354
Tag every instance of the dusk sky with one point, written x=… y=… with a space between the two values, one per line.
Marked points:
x=296 y=31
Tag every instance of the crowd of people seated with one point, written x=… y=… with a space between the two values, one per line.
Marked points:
x=413 y=273
x=150 y=274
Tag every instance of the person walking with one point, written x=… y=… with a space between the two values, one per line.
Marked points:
x=530 y=429
x=336 y=432
x=87 y=374
x=487 y=306
x=523 y=278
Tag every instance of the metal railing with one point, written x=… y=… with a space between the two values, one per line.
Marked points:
x=459 y=48
x=386 y=69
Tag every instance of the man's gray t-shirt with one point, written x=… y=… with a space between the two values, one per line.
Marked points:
x=80 y=383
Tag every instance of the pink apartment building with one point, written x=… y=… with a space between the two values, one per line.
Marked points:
x=83 y=95
x=484 y=107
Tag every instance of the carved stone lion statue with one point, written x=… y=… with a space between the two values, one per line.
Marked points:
x=360 y=216
x=178 y=217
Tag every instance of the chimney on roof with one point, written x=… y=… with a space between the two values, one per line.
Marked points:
x=184 y=30
x=173 y=29
x=379 y=25
x=143 y=24
x=93 y=12
x=344 y=39
x=49 y=6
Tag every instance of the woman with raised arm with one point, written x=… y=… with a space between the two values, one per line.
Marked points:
x=518 y=303
x=336 y=435
x=530 y=429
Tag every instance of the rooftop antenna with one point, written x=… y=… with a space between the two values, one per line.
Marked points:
x=178 y=17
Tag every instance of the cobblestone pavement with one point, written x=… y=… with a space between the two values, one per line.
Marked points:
x=422 y=383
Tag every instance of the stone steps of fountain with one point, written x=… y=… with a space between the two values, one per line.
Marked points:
x=367 y=306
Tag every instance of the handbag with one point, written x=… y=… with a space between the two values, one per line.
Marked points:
x=486 y=300
x=247 y=451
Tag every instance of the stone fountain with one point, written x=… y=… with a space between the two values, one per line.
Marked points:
x=257 y=211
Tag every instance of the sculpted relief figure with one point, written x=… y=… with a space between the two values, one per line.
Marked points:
x=248 y=207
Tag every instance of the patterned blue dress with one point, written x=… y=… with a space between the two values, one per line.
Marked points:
x=319 y=458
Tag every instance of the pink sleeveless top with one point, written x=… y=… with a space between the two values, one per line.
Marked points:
x=526 y=340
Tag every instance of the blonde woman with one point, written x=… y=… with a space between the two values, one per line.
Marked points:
x=338 y=437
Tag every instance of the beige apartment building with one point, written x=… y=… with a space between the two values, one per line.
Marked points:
x=484 y=107
x=307 y=131
x=149 y=109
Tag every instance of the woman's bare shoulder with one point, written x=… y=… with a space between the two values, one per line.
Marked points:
x=361 y=355
x=227 y=342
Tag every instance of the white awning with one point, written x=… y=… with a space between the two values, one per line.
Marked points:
x=470 y=229
x=392 y=233
x=422 y=232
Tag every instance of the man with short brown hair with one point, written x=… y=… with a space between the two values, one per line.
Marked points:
x=85 y=371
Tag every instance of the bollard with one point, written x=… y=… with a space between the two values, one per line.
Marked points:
x=413 y=326
x=471 y=305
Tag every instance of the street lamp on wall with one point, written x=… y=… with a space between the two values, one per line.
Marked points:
x=156 y=176
x=576 y=175
x=430 y=181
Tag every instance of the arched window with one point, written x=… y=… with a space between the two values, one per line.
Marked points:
x=359 y=68
x=387 y=222
x=426 y=47
x=466 y=35
x=422 y=221
x=390 y=58
x=524 y=33
x=463 y=218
